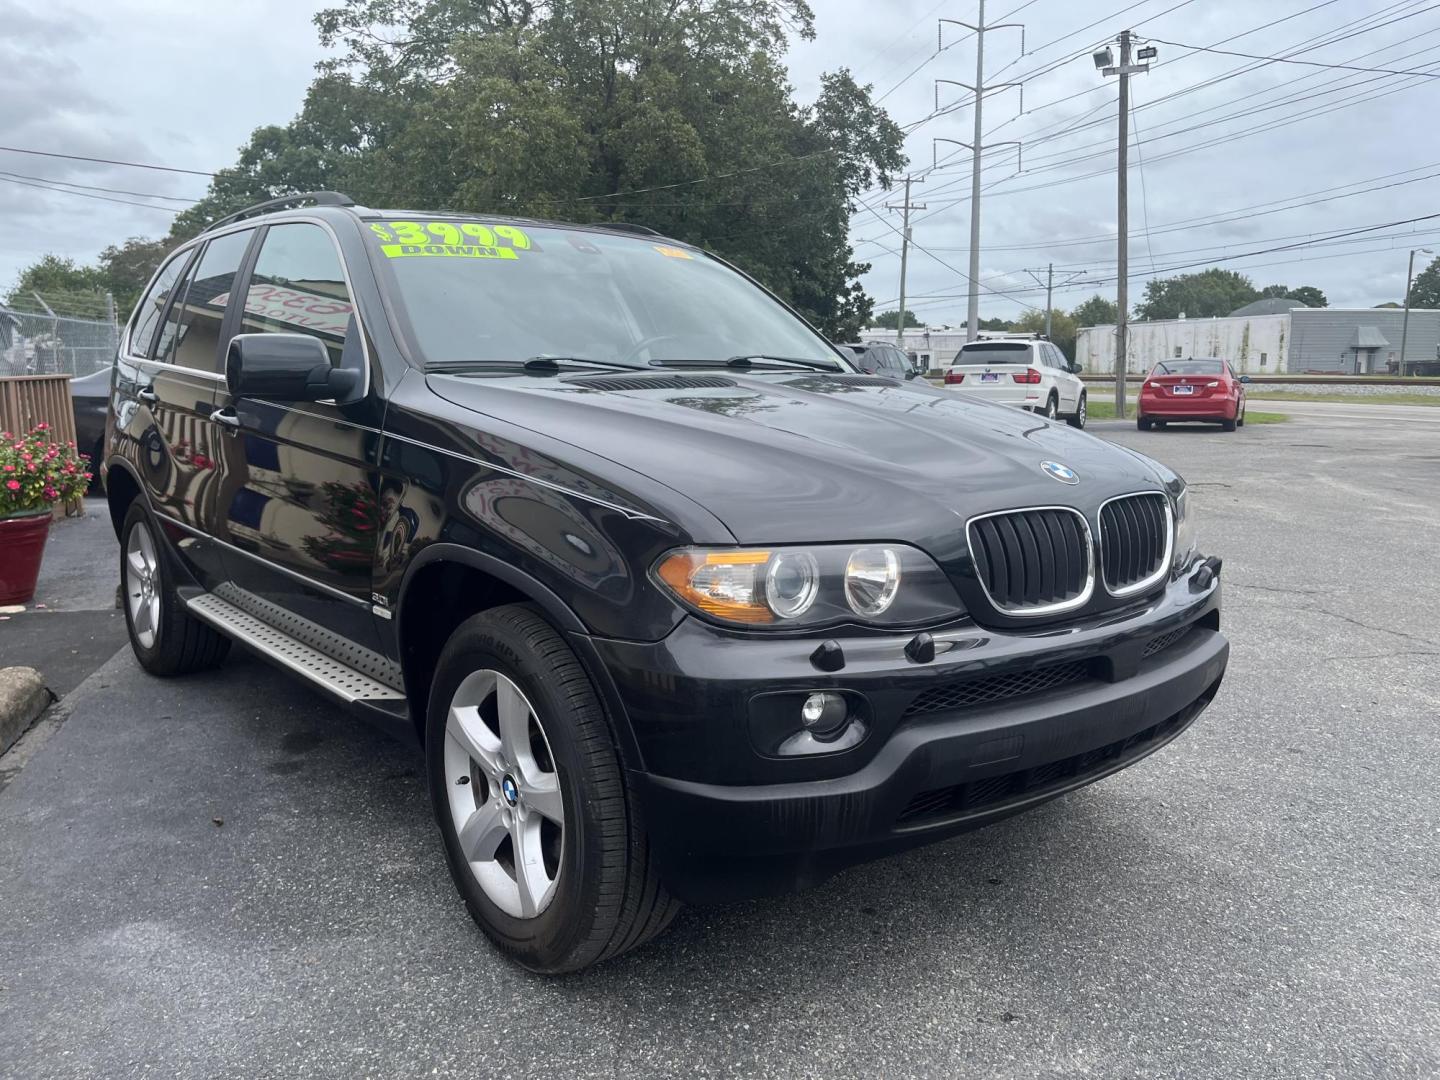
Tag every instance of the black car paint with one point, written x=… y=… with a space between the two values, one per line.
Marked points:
x=568 y=494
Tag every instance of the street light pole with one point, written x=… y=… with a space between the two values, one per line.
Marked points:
x=905 y=208
x=1405 y=320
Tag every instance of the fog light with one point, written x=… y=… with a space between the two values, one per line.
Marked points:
x=824 y=715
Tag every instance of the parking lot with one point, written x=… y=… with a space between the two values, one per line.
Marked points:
x=224 y=875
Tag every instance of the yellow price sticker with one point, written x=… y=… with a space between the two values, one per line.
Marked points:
x=673 y=252
x=460 y=251
x=460 y=239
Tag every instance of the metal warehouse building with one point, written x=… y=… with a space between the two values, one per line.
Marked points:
x=1332 y=341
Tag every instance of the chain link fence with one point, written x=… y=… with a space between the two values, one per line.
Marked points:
x=41 y=344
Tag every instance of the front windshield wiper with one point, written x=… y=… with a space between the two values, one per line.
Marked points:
x=544 y=364
x=750 y=359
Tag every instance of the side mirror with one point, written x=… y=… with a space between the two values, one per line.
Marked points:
x=286 y=367
x=1074 y=368
x=1244 y=378
x=911 y=373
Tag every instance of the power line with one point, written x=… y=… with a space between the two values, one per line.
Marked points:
x=106 y=161
x=91 y=187
x=85 y=195
x=1306 y=63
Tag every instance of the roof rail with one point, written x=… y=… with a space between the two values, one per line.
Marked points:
x=318 y=198
x=628 y=226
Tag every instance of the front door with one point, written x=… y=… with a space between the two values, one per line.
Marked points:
x=300 y=510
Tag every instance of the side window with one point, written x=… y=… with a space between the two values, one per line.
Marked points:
x=197 y=318
x=895 y=361
x=148 y=311
x=298 y=287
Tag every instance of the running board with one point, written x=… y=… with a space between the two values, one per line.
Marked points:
x=330 y=674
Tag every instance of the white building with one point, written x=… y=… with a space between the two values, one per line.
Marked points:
x=1254 y=344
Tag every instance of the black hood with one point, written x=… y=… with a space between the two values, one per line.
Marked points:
x=800 y=457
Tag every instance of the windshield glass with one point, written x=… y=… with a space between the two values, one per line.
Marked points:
x=473 y=292
x=1190 y=367
x=994 y=352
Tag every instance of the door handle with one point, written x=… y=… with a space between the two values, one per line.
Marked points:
x=148 y=395
x=225 y=416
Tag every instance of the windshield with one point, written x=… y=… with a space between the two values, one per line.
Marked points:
x=471 y=292
x=1190 y=367
x=994 y=352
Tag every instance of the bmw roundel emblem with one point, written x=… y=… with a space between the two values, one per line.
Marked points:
x=1063 y=473
x=510 y=790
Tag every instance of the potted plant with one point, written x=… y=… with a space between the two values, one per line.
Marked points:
x=35 y=474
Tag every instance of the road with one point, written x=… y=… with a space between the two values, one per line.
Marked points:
x=225 y=876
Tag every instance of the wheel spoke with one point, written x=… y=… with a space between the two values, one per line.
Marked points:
x=147 y=549
x=514 y=713
x=476 y=740
x=542 y=794
x=530 y=876
x=153 y=611
x=483 y=832
x=136 y=561
x=141 y=617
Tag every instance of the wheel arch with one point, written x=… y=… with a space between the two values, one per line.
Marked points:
x=122 y=487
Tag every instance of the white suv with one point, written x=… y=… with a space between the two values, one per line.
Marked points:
x=1031 y=374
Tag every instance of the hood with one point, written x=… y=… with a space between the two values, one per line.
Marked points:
x=806 y=458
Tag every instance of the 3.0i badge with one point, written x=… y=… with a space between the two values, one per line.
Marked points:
x=1063 y=473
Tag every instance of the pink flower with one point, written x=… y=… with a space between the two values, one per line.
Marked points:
x=9 y=468
x=42 y=427
x=13 y=485
x=51 y=493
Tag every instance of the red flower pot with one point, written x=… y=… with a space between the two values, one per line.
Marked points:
x=22 y=546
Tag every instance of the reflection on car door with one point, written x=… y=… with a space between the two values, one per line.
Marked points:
x=299 y=507
x=179 y=447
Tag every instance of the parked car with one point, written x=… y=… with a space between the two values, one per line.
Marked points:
x=1031 y=374
x=1199 y=388
x=877 y=358
x=679 y=605
x=90 y=399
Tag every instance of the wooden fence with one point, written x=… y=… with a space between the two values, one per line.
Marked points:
x=27 y=400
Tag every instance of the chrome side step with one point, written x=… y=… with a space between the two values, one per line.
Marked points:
x=343 y=681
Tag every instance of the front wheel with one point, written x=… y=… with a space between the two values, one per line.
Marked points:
x=1077 y=419
x=1240 y=420
x=541 y=832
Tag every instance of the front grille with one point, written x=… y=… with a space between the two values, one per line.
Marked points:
x=1134 y=542
x=979 y=795
x=1033 y=562
x=965 y=695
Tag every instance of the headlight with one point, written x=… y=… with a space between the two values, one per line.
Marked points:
x=1184 y=532
x=794 y=587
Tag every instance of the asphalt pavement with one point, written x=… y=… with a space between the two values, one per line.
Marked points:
x=225 y=875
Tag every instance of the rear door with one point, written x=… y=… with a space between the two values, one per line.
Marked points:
x=1066 y=384
x=178 y=450
x=300 y=507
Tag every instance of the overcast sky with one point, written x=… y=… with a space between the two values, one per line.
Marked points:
x=183 y=84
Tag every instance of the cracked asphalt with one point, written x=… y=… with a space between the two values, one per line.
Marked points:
x=226 y=876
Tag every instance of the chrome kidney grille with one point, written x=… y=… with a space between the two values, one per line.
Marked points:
x=1038 y=561
x=1041 y=560
x=1135 y=539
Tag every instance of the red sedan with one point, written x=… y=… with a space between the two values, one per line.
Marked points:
x=1203 y=389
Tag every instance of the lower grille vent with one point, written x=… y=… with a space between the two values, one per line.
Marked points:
x=1164 y=641
x=964 y=695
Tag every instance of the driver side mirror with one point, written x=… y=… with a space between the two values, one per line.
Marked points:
x=1244 y=378
x=1074 y=367
x=286 y=367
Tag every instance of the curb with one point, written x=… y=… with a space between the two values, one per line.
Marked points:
x=23 y=697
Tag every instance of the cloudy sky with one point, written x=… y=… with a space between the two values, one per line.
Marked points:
x=1232 y=155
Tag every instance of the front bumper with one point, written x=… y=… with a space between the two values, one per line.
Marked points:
x=727 y=819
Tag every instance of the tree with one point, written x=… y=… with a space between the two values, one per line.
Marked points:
x=1425 y=290
x=677 y=116
x=66 y=287
x=890 y=320
x=1199 y=296
x=1097 y=311
x=1062 y=328
x=126 y=270
x=1308 y=295
x=1389 y=304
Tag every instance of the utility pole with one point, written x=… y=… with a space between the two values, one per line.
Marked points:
x=1405 y=320
x=905 y=208
x=1103 y=61
x=1049 y=284
x=972 y=322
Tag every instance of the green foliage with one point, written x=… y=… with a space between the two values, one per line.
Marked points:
x=1308 y=295
x=1097 y=311
x=1200 y=295
x=1062 y=328
x=1425 y=290
x=36 y=472
x=1389 y=304
x=126 y=270
x=890 y=320
x=76 y=290
x=591 y=110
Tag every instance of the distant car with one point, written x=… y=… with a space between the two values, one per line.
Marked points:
x=1031 y=374
x=880 y=359
x=1198 y=388
x=89 y=396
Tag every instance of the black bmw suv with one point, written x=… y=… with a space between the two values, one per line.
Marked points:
x=602 y=523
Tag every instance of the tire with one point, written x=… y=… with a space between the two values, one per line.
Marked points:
x=601 y=894
x=1240 y=419
x=1160 y=424
x=1052 y=407
x=1143 y=423
x=1078 y=417
x=180 y=643
x=1229 y=425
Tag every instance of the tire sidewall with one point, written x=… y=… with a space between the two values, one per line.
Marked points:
x=1052 y=408
x=137 y=517
x=556 y=931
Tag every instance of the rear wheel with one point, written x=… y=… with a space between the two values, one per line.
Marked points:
x=1229 y=425
x=166 y=638
x=1077 y=419
x=1160 y=424
x=1143 y=423
x=541 y=832
x=1052 y=407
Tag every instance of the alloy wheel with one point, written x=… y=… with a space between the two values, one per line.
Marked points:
x=504 y=793
x=142 y=585
x=1051 y=410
